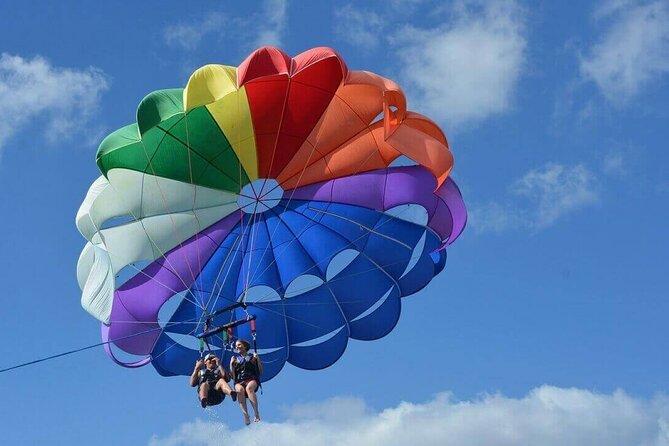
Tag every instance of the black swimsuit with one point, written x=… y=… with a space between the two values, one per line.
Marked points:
x=211 y=377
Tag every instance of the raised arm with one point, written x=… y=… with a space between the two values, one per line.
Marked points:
x=194 y=377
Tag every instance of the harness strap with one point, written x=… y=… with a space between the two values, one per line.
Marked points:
x=252 y=322
x=201 y=348
x=207 y=324
x=253 y=334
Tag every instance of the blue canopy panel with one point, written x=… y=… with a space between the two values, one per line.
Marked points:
x=170 y=358
x=284 y=244
x=265 y=253
x=258 y=267
x=369 y=299
x=391 y=243
x=425 y=264
x=218 y=277
x=182 y=319
x=317 y=328
x=321 y=355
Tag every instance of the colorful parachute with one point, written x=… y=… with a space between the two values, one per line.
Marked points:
x=269 y=184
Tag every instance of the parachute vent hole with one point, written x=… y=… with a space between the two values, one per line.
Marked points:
x=318 y=340
x=190 y=341
x=374 y=307
x=117 y=221
x=415 y=255
x=261 y=293
x=413 y=213
x=259 y=196
x=302 y=284
x=402 y=161
x=378 y=118
x=340 y=262
x=168 y=309
x=130 y=271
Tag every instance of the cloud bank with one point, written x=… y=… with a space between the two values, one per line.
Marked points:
x=546 y=416
x=634 y=49
x=61 y=99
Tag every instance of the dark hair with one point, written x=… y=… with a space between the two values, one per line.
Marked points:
x=246 y=343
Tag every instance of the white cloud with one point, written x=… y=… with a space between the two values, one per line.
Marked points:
x=614 y=164
x=189 y=35
x=273 y=23
x=467 y=69
x=61 y=99
x=406 y=3
x=538 y=199
x=557 y=190
x=263 y=28
x=497 y=217
x=634 y=50
x=609 y=7
x=546 y=416
x=362 y=29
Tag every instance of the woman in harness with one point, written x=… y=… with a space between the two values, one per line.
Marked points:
x=246 y=370
x=212 y=381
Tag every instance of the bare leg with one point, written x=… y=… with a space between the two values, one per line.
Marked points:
x=251 y=393
x=223 y=387
x=204 y=390
x=241 y=396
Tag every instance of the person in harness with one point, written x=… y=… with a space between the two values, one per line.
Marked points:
x=246 y=370
x=211 y=381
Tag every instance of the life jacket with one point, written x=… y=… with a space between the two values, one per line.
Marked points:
x=210 y=376
x=246 y=368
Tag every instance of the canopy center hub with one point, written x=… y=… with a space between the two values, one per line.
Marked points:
x=259 y=196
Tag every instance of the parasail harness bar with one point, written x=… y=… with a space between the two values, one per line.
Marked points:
x=209 y=331
x=243 y=305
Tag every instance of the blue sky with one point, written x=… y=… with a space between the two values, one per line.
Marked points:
x=548 y=325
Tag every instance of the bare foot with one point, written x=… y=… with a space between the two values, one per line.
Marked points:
x=247 y=420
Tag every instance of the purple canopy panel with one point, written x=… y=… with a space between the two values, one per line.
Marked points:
x=110 y=353
x=384 y=189
x=451 y=199
x=366 y=190
x=137 y=303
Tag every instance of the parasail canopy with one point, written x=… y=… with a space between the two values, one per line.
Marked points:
x=271 y=184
